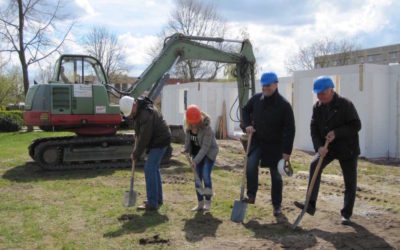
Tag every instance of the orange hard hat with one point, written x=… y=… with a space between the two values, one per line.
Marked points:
x=193 y=114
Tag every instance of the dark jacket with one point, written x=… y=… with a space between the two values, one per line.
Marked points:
x=151 y=131
x=341 y=116
x=273 y=119
x=207 y=141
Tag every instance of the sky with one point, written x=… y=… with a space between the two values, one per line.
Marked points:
x=276 y=28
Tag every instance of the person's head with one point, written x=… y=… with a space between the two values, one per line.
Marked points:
x=193 y=116
x=128 y=106
x=323 y=87
x=269 y=83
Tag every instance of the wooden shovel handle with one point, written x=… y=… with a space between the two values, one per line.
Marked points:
x=316 y=172
x=245 y=158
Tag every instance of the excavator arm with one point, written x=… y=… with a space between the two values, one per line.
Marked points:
x=179 y=47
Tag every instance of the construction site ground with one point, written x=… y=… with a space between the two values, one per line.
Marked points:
x=83 y=209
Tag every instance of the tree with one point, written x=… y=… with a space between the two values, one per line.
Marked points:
x=31 y=28
x=11 y=89
x=318 y=53
x=195 y=18
x=104 y=45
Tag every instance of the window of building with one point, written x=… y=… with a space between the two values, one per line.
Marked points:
x=361 y=59
x=374 y=58
x=393 y=55
x=183 y=100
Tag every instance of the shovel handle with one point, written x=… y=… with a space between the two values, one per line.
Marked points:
x=132 y=174
x=245 y=165
x=310 y=188
x=316 y=172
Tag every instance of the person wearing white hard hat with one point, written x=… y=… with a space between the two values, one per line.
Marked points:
x=270 y=117
x=153 y=137
x=334 y=120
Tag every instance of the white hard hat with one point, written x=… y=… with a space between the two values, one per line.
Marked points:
x=285 y=168
x=126 y=104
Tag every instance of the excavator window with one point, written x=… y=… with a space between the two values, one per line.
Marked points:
x=81 y=70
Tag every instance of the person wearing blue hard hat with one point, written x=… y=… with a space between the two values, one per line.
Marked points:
x=322 y=83
x=270 y=117
x=334 y=121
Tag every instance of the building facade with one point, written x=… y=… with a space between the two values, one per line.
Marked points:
x=380 y=55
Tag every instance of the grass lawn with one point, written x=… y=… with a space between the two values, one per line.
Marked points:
x=83 y=209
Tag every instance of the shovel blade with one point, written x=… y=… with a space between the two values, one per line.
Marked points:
x=129 y=198
x=238 y=211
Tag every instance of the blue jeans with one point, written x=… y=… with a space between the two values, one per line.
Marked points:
x=203 y=170
x=153 y=176
x=253 y=161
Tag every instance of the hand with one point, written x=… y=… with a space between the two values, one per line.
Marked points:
x=286 y=157
x=330 y=136
x=250 y=129
x=193 y=164
x=322 y=151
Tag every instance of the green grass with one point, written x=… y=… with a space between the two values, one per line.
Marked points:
x=83 y=209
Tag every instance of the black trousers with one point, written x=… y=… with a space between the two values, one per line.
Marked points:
x=349 y=170
x=252 y=178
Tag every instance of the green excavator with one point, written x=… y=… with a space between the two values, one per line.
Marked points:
x=77 y=100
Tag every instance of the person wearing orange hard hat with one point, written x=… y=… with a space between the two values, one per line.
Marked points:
x=202 y=146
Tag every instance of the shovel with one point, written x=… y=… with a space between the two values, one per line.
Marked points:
x=199 y=184
x=239 y=206
x=310 y=189
x=130 y=195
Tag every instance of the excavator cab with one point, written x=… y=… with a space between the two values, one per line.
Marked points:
x=76 y=99
x=78 y=70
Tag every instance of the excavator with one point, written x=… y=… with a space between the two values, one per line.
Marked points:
x=77 y=99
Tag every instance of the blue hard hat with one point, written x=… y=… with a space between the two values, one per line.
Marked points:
x=268 y=78
x=322 y=83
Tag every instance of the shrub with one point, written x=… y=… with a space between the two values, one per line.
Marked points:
x=11 y=121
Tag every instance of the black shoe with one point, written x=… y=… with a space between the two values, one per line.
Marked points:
x=146 y=207
x=249 y=200
x=160 y=203
x=277 y=211
x=346 y=221
x=310 y=209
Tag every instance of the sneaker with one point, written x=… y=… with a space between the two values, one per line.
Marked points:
x=277 y=211
x=346 y=221
x=200 y=206
x=207 y=205
x=146 y=207
x=310 y=209
x=249 y=200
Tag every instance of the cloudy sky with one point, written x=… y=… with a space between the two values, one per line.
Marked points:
x=276 y=28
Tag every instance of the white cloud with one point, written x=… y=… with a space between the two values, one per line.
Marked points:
x=87 y=7
x=137 y=48
x=333 y=20
x=274 y=44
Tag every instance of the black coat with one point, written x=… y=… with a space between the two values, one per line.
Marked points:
x=151 y=131
x=341 y=116
x=273 y=119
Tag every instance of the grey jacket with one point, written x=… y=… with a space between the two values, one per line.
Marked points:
x=207 y=141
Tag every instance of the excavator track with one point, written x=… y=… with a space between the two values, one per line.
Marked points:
x=80 y=152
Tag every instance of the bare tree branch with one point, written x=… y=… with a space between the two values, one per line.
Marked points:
x=105 y=46
x=34 y=21
x=304 y=59
x=194 y=18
